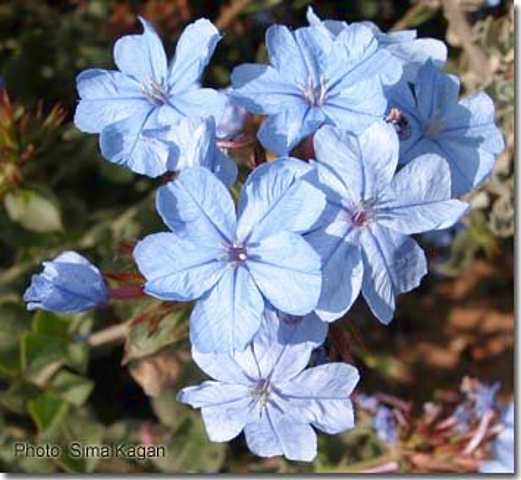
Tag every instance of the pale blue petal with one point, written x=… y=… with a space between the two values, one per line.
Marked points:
x=281 y=434
x=142 y=56
x=474 y=117
x=315 y=46
x=334 y=27
x=356 y=57
x=287 y=271
x=393 y=264
x=435 y=91
x=284 y=343
x=419 y=198
x=223 y=367
x=198 y=206
x=320 y=395
x=178 y=269
x=198 y=102
x=281 y=132
x=106 y=97
x=338 y=158
x=229 y=315
x=279 y=196
x=371 y=159
x=131 y=143
x=193 y=51
x=357 y=106
x=192 y=143
x=342 y=272
x=224 y=422
x=261 y=89
x=414 y=53
x=213 y=394
x=285 y=53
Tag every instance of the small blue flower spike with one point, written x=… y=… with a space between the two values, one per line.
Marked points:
x=313 y=79
x=385 y=424
x=430 y=118
x=193 y=143
x=68 y=284
x=267 y=392
x=407 y=51
x=364 y=237
x=503 y=453
x=231 y=266
x=130 y=106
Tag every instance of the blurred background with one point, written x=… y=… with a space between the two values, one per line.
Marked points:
x=83 y=377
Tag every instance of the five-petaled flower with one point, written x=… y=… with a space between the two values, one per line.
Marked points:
x=267 y=392
x=364 y=242
x=408 y=53
x=69 y=284
x=231 y=265
x=146 y=96
x=313 y=79
x=461 y=131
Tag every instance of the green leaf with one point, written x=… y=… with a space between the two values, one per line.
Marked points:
x=15 y=398
x=73 y=388
x=33 y=211
x=38 y=351
x=47 y=411
x=47 y=323
x=142 y=340
x=14 y=321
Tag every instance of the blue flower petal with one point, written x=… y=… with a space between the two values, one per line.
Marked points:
x=420 y=198
x=276 y=433
x=262 y=89
x=281 y=132
x=435 y=91
x=393 y=264
x=342 y=271
x=227 y=317
x=142 y=56
x=131 y=142
x=284 y=343
x=178 y=269
x=371 y=159
x=198 y=206
x=321 y=395
x=106 y=97
x=193 y=51
x=279 y=196
x=287 y=271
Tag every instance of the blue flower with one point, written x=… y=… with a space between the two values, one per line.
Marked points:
x=313 y=79
x=267 y=392
x=364 y=239
x=130 y=106
x=430 y=118
x=503 y=456
x=233 y=117
x=192 y=143
x=69 y=283
x=485 y=398
x=385 y=424
x=231 y=265
x=409 y=52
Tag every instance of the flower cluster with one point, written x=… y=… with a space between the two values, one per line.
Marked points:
x=393 y=146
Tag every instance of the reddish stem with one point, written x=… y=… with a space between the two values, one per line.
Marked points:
x=240 y=142
x=128 y=291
